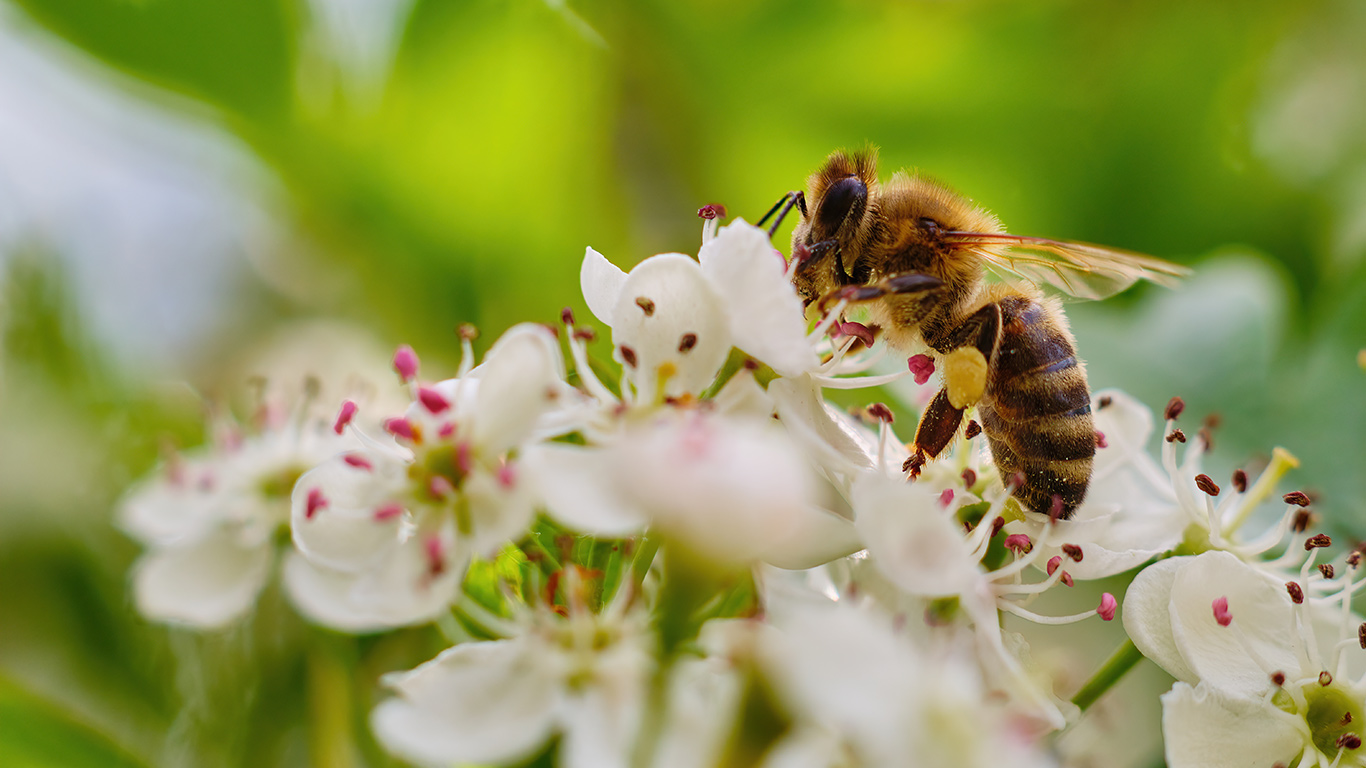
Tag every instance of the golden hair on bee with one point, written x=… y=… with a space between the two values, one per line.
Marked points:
x=915 y=254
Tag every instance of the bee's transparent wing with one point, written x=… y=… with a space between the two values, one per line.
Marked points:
x=1077 y=269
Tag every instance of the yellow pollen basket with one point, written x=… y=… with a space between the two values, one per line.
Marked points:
x=965 y=376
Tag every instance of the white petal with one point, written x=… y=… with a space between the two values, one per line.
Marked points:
x=1261 y=609
x=742 y=396
x=808 y=417
x=1206 y=729
x=489 y=702
x=1146 y=613
x=668 y=313
x=722 y=488
x=323 y=597
x=912 y=538
x=498 y=512
x=767 y=318
x=601 y=282
x=578 y=487
x=844 y=668
x=601 y=723
x=400 y=589
x=809 y=538
x=516 y=385
x=345 y=534
x=205 y=584
x=159 y=512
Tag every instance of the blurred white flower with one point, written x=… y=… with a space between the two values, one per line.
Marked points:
x=864 y=695
x=729 y=490
x=581 y=675
x=385 y=531
x=211 y=518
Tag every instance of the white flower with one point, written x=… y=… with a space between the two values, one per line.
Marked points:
x=582 y=676
x=386 y=530
x=917 y=543
x=210 y=518
x=1265 y=667
x=865 y=695
x=730 y=490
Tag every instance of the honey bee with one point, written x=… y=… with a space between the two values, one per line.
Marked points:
x=916 y=254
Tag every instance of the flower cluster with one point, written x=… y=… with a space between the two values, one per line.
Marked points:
x=688 y=556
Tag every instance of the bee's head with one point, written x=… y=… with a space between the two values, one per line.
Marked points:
x=837 y=213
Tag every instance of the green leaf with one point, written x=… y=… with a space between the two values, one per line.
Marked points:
x=35 y=733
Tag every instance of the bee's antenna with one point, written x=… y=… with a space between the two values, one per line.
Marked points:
x=785 y=202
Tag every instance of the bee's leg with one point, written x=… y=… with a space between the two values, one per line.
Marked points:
x=892 y=285
x=966 y=365
x=795 y=197
x=938 y=424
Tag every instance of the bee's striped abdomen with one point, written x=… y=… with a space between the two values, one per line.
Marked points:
x=1037 y=408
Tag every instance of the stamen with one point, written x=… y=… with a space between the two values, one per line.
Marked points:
x=436 y=558
x=432 y=400
x=946 y=498
x=348 y=412
x=400 y=427
x=1106 y=612
x=1108 y=604
x=358 y=461
x=973 y=430
x=1349 y=741
x=1240 y=480
x=1174 y=408
x=1278 y=679
x=1052 y=566
x=1325 y=678
x=1296 y=592
x=922 y=367
x=1100 y=440
x=859 y=382
x=1177 y=436
x=507 y=475
x=969 y=478
x=880 y=412
x=1073 y=551
x=628 y=355
x=1327 y=570
x=1298 y=498
x=1303 y=520
x=687 y=342
x=446 y=430
x=712 y=211
x=567 y=316
x=405 y=363
x=388 y=512
x=316 y=501
x=440 y=487
x=1104 y=402
x=1317 y=541
x=830 y=317
x=646 y=305
x=859 y=331
x=467 y=333
x=1221 y=612
x=1206 y=484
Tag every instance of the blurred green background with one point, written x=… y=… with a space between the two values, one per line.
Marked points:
x=183 y=181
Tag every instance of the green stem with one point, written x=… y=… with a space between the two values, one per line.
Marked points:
x=1120 y=662
x=330 y=703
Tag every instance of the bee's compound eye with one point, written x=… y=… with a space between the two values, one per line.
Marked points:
x=839 y=199
x=929 y=225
